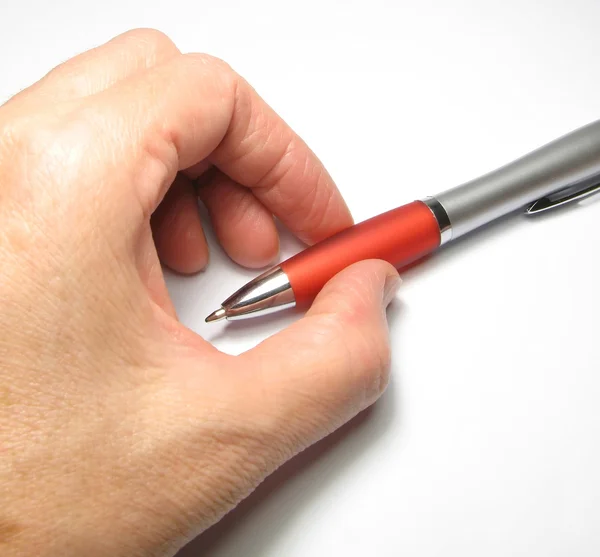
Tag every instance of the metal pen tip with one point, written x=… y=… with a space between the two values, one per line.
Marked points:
x=216 y=315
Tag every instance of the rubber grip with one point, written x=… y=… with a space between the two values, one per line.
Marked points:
x=400 y=236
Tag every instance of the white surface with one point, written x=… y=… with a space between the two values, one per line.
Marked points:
x=488 y=440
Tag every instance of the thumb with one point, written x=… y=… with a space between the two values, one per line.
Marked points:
x=326 y=368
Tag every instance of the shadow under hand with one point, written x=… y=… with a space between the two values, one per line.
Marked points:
x=259 y=522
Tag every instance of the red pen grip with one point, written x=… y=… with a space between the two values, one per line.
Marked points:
x=400 y=236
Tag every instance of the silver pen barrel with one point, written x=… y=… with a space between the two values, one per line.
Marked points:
x=566 y=162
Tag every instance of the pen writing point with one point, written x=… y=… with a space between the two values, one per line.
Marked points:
x=216 y=315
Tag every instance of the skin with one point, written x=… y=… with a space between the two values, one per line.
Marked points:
x=122 y=432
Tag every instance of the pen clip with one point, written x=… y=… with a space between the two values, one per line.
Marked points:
x=573 y=193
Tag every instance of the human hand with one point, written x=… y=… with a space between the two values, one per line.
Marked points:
x=123 y=433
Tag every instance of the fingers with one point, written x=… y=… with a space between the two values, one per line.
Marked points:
x=177 y=229
x=320 y=372
x=101 y=67
x=244 y=227
x=195 y=108
x=261 y=152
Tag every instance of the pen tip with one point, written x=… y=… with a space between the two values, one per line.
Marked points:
x=216 y=315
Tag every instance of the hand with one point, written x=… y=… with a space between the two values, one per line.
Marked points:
x=122 y=433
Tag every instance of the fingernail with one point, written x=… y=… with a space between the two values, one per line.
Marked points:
x=392 y=283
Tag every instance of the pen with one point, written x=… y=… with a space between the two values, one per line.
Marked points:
x=564 y=171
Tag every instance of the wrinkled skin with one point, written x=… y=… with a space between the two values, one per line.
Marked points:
x=122 y=433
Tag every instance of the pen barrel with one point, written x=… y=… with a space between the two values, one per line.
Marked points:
x=566 y=162
x=400 y=237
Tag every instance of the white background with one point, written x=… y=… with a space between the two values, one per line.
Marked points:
x=488 y=439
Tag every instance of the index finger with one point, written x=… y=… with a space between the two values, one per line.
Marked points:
x=196 y=108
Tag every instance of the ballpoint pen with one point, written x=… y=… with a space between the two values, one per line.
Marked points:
x=566 y=170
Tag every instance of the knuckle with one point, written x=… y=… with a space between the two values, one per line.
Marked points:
x=19 y=140
x=151 y=39
x=372 y=367
x=10 y=134
x=369 y=348
x=364 y=352
x=207 y=60
x=50 y=141
x=206 y=66
x=44 y=154
x=57 y=71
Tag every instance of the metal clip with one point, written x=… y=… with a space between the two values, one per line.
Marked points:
x=562 y=197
